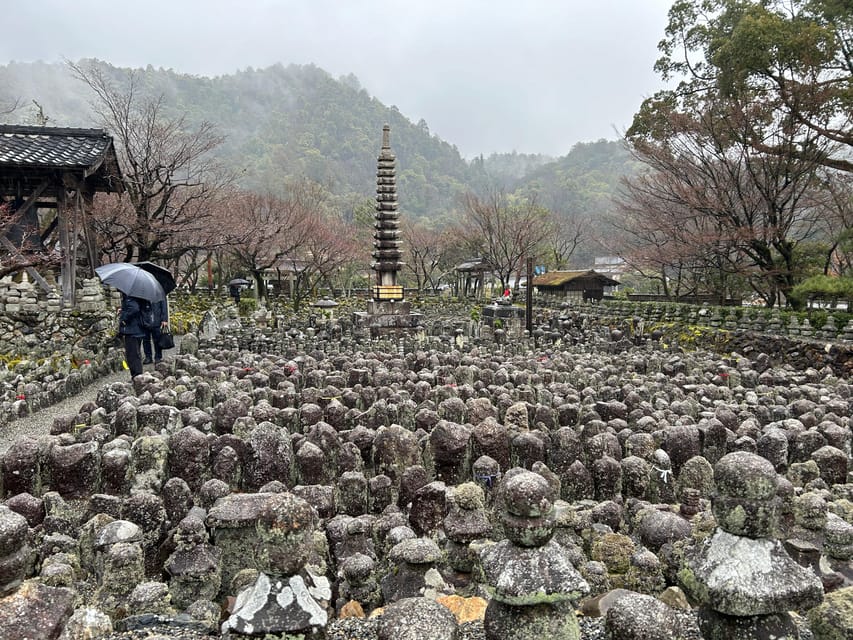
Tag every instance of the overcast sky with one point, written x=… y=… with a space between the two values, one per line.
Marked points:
x=534 y=76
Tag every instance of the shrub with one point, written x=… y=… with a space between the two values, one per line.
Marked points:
x=247 y=306
x=821 y=288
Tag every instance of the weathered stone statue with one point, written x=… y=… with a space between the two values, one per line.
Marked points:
x=532 y=582
x=286 y=597
x=744 y=580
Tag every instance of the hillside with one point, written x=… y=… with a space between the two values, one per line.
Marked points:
x=300 y=121
x=278 y=122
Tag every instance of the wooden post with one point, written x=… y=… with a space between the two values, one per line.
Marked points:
x=89 y=236
x=66 y=281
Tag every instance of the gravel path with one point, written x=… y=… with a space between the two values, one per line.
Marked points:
x=39 y=423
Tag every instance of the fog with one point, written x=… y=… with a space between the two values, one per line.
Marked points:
x=486 y=75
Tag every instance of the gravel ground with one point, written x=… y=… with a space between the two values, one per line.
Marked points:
x=39 y=423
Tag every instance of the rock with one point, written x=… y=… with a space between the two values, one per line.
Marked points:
x=351 y=609
x=35 y=612
x=635 y=616
x=87 y=623
x=598 y=606
x=464 y=609
x=658 y=528
x=745 y=503
x=417 y=619
x=526 y=576
x=506 y=622
x=674 y=597
x=833 y=619
x=297 y=603
x=16 y=556
x=740 y=576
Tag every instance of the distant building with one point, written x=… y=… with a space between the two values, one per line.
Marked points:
x=578 y=285
x=612 y=266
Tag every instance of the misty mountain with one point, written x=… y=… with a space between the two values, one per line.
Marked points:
x=298 y=120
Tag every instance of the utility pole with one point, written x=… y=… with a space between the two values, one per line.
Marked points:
x=209 y=274
x=529 y=296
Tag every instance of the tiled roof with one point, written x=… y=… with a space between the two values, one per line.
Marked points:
x=559 y=278
x=51 y=147
x=475 y=264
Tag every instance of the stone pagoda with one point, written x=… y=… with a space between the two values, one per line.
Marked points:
x=387 y=311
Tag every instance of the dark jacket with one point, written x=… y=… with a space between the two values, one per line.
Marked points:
x=161 y=312
x=130 y=318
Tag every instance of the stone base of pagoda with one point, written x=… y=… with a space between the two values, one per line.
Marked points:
x=386 y=317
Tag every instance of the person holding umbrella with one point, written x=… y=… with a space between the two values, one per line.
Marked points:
x=161 y=321
x=139 y=288
x=234 y=291
x=234 y=287
x=160 y=310
x=130 y=326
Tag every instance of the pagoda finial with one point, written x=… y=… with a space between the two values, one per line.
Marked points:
x=386 y=136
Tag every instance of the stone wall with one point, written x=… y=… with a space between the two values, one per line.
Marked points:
x=47 y=353
x=33 y=323
x=680 y=327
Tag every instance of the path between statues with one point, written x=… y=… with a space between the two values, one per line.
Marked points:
x=39 y=423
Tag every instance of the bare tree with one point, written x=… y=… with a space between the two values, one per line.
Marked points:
x=666 y=241
x=726 y=203
x=20 y=245
x=263 y=229
x=169 y=172
x=330 y=247
x=426 y=252
x=9 y=106
x=504 y=231
x=834 y=210
x=565 y=236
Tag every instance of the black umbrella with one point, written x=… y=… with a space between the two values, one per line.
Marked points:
x=131 y=280
x=163 y=275
x=239 y=282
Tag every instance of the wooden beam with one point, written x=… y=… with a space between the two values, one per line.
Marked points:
x=35 y=275
x=50 y=228
x=89 y=235
x=70 y=181
x=33 y=198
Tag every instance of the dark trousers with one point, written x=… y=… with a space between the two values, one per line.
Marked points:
x=132 y=355
x=152 y=336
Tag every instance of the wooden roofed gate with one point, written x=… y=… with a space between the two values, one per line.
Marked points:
x=58 y=169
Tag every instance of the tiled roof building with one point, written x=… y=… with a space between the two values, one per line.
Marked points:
x=61 y=169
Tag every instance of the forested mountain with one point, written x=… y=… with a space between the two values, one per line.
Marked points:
x=580 y=185
x=282 y=122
